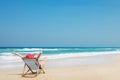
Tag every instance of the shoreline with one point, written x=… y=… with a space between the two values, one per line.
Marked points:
x=70 y=61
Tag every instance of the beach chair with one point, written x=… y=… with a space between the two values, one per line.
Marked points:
x=31 y=68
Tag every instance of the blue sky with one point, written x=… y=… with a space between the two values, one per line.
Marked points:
x=70 y=23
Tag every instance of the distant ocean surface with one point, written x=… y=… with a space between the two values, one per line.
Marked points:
x=56 y=52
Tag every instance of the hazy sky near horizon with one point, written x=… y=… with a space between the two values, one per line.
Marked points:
x=60 y=23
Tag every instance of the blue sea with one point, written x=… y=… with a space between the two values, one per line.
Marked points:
x=56 y=52
x=58 y=56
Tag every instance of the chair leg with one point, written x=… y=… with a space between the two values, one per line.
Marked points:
x=42 y=70
x=25 y=71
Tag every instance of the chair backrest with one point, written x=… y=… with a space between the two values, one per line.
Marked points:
x=30 y=62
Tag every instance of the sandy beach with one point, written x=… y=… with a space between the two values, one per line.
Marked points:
x=102 y=71
x=73 y=39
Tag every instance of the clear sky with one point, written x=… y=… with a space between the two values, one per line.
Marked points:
x=63 y=23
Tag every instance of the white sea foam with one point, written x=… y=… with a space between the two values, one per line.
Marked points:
x=36 y=49
x=28 y=49
x=49 y=49
x=80 y=54
x=10 y=54
x=8 y=57
x=6 y=54
x=35 y=52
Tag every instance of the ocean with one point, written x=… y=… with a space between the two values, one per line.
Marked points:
x=56 y=52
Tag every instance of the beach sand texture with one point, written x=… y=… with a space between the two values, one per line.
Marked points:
x=106 y=71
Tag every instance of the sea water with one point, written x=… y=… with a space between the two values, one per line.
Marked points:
x=58 y=56
x=56 y=52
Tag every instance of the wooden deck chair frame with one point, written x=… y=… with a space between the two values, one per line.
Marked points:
x=27 y=68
